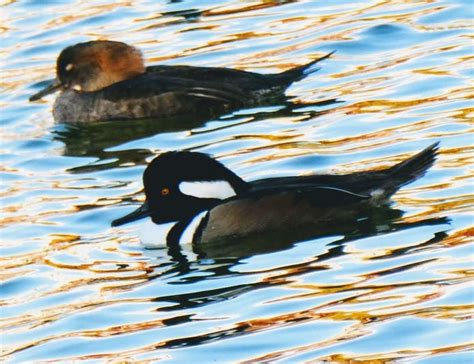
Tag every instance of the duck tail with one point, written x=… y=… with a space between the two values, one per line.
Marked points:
x=299 y=72
x=414 y=167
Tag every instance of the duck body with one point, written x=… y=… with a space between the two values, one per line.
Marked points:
x=191 y=198
x=106 y=80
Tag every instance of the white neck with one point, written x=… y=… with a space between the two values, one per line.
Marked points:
x=153 y=236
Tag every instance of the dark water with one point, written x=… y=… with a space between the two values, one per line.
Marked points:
x=396 y=288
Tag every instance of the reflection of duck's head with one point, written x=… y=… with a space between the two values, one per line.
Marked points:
x=191 y=197
x=91 y=66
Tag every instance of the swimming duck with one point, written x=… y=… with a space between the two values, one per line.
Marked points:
x=107 y=80
x=192 y=198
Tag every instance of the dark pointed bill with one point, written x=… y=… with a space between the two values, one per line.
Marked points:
x=55 y=86
x=140 y=213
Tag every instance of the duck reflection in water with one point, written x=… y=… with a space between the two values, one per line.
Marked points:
x=209 y=261
x=215 y=264
x=97 y=139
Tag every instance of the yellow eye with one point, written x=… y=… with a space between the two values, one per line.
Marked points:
x=165 y=191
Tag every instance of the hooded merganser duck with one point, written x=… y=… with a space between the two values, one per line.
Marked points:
x=192 y=198
x=107 y=80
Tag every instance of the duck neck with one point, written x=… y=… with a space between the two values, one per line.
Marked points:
x=188 y=230
x=172 y=233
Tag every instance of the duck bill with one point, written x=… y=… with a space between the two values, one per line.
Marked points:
x=55 y=86
x=140 y=213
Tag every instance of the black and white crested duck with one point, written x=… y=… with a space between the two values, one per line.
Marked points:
x=192 y=198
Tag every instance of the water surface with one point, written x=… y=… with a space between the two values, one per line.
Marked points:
x=396 y=288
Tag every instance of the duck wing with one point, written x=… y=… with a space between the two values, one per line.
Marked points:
x=250 y=81
x=154 y=84
x=384 y=182
x=156 y=96
x=310 y=209
x=320 y=192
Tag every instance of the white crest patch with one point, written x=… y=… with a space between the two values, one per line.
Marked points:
x=207 y=189
x=188 y=233
x=153 y=235
x=69 y=67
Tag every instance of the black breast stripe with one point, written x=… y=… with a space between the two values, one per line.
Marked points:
x=176 y=231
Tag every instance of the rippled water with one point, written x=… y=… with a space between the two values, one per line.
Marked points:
x=73 y=288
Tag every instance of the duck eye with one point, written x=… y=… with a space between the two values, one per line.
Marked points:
x=165 y=191
x=69 y=67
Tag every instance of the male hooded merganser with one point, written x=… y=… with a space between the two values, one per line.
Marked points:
x=107 y=80
x=192 y=198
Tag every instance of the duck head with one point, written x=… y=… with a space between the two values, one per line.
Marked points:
x=180 y=185
x=91 y=66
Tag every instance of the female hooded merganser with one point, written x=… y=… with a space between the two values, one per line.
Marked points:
x=192 y=198
x=107 y=80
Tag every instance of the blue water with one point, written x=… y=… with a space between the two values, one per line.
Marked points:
x=73 y=288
